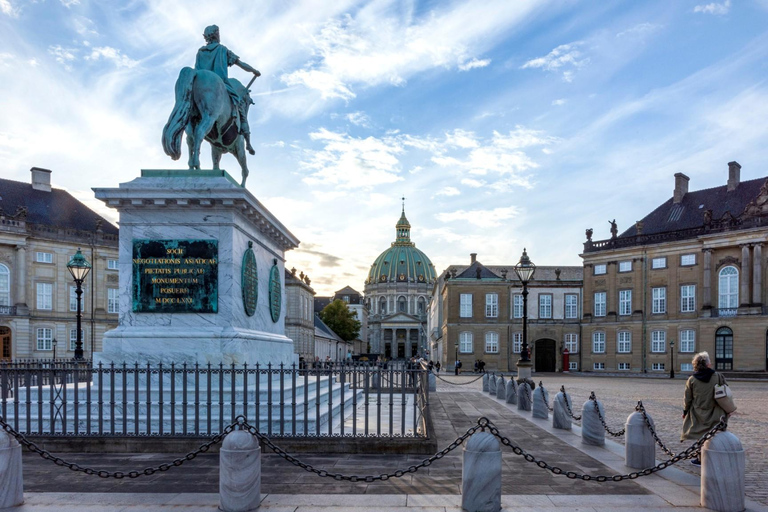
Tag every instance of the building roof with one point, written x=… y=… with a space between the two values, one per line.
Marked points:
x=477 y=271
x=56 y=208
x=321 y=329
x=321 y=302
x=347 y=290
x=494 y=272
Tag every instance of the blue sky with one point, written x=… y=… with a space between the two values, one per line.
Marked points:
x=504 y=123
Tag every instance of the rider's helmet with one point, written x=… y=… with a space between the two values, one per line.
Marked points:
x=211 y=34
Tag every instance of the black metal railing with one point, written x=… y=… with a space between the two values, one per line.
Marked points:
x=8 y=310
x=181 y=400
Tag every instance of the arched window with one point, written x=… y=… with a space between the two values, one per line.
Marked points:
x=402 y=305
x=5 y=286
x=465 y=342
x=724 y=349
x=728 y=288
x=383 y=305
x=421 y=306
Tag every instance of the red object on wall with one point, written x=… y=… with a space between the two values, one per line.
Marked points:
x=565 y=359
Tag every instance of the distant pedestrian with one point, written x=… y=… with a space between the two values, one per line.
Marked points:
x=437 y=366
x=456 y=367
x=700 y=410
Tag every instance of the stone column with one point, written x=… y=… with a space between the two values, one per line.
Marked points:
x=707 y=278
x=393 y=345
x=757 y=275
x=745 y=271
x=21 y=275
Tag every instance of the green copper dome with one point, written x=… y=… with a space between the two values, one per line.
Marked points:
x=402 y=262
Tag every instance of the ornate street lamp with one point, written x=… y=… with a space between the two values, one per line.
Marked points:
x=456 y=358
x=79 y=267
x=54 y=342
x=524 y=270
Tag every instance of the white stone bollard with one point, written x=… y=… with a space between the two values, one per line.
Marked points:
x=524 y=397
x=540 y=401
x=492 y=385
x=639 y=445
x=11 y=480
x=481 y=474
x=486 y=387
x=501 y=389
x=560 y=417
x=432 y=379
x=239 y=472
x=511 y=391
x=592 y=431
x=375 y=379
x=722 y=473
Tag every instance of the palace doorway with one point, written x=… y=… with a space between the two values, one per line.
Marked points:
x=545 y=356
x=5 y=344
x=724 y=349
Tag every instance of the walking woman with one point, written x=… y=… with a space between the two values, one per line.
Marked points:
x=700 y=410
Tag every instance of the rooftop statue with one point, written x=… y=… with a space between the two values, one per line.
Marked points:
x=211 y=106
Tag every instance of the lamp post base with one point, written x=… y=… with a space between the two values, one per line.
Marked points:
x=524 y=369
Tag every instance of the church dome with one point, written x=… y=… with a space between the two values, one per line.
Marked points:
x=402 y=261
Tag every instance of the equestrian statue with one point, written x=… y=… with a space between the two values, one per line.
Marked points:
x=211 y=106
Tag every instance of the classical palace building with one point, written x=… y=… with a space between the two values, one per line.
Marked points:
x=397 y=292
x=477 y=314
x=687 y=277
x=299 y=315
x=41 y=228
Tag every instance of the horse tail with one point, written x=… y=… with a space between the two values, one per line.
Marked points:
x=180 y=116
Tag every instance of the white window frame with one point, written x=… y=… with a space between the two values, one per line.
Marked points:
x=465 y=305
x=465 y=342
x=517 y=342
x=44 y=337
x=687 y=260
x=728 y=287
x=571 y=305
x=5 y=285
x=600 y=303
x=625 y=266
x=624 y=342
x=686 y=367
x=44 y=296
x=44 y=257
x=598 y=342
x=625 y=302
x=660 y=262
x=598 y=366
x=600 y=269
x=112 y=264
x=687 y=298
x=687 y=341
x=545 y=305
x=73 y=299
x=573 y=365
x=113 y=300
x=658 y=367
x=659 y=300
x=73 y=338
x=623 y=367
x=571 y=342
x=491 y=305
x=658 y=342
x=491 y=342
x=517 y=306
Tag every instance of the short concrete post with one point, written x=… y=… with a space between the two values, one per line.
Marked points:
x=540 y=401
x=722 y=473
x=239 y=472
x=492 y=385
x=560 y=417
x=592 y=431
x=486 y=387
x=432 y=380
x=511 y=391
x=501 y=388
x=639 y=446
x=524 y=397
x=481 y=474
x=11 y=481
x=375 y=379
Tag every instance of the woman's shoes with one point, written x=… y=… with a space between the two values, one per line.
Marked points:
x=696 y=462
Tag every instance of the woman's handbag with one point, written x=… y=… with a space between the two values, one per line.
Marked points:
x=724 y=396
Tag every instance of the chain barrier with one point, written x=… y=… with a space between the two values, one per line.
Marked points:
x=568 y=404
x=541 y=385
x=460 y=383
x=641 y=409
x=45 y=454
x=602 y=420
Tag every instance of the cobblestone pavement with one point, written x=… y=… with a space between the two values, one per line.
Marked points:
x=663 y=400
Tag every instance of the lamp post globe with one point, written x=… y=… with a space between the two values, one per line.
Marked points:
x=524 y=270
x=79 y=267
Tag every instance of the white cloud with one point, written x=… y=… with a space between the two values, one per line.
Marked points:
x=448 y=191
x=564 y=56
x=6 y=7
x=474 y=63
x=559 y=102
x=359 y=119
x=69 y=3
x=481 y=218
x=639 y=30
x=33 y=62
x=328 y=85
x=112 y=54
x=719 y=9
x=63 y=56
x=6 y=58
x=471 y=182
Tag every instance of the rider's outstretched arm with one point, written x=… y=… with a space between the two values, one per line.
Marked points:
x=246 y=67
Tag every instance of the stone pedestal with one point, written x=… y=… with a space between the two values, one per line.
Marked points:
x=481 y=474
x=540 y=401
x=11 y=481
x=524 y=397
x=560 y=417
x=592 y=431
x=639 y=446
x=524 y=369
x=486 y=387
x=239 y=473
x=722 y=473
x=511 y=391
x=199 y=206
x=492 y=385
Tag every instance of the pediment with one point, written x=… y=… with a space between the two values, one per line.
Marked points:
x=401 y=317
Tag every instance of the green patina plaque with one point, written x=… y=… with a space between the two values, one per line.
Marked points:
x=275 y=291
x=250 y=281
x=175 y=276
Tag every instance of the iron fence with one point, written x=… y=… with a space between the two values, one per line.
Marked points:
x=181 y=400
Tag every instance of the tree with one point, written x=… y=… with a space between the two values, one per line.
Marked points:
x=341 y=320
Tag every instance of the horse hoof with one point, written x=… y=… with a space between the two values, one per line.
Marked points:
x=251 y=151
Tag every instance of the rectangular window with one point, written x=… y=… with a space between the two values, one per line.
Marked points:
x=688 y=298
x=491 y=305
x=625 y=266
x=658 y=366
x=517 y=342
x=571 y=306
x=44 y=339
x=623 y=366
x=73 y=298
x=687 y=259
x=688 y=340
x=545 y=306
x=659 y=300
x=465 y=342
x=44 y=257
x=600 y=269
x=573 y=365
x=45 y=296
x=598 y=366
x=658 y=341
x=625 y=302
x=491 y=342
x=73 y=338
x=624 y=342
x=517 y=308
x=465 y=302
x=686 y=367
x=572 y=343
x=111 y=264
x=598 y=342
x=659 y=263
x=113 y=301
x=600 y=304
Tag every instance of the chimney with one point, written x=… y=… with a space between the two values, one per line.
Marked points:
x=734 y=175
x=473 y=257
x=41 y=179
x=681 y=187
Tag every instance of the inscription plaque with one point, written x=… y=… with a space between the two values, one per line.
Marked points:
x=250 y=281
x=275 y=293
x=175 y=276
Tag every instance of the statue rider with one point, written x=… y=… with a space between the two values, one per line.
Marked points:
x=216 y=57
